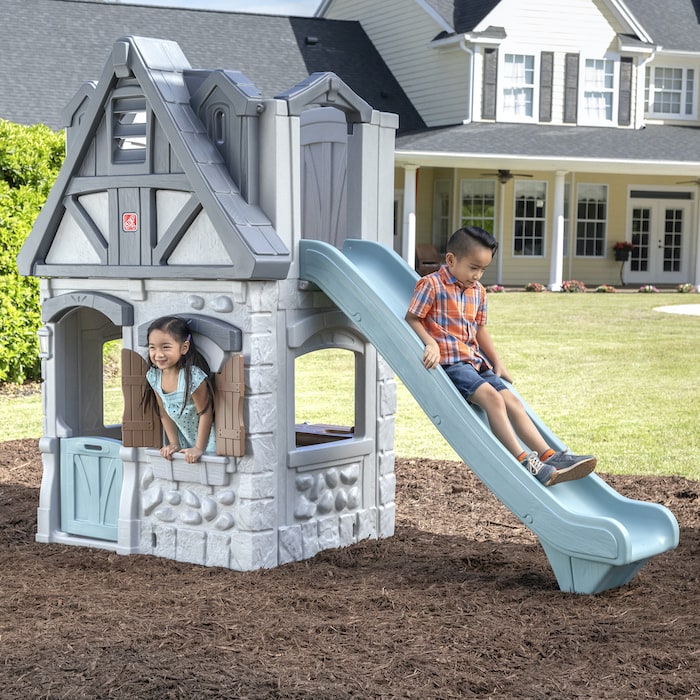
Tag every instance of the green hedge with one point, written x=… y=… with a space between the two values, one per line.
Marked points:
x=30 y=158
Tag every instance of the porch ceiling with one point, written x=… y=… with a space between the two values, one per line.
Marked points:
x=653 y=150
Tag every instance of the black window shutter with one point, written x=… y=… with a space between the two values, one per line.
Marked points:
x=490 y=84
x=571 y=88
x=546 y=78
x=624 y=108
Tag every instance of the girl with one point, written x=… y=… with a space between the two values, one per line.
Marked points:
x=178 y=378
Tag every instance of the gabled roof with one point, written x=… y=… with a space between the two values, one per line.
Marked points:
x=275 y=52
x=674 y=26
x=244 y=234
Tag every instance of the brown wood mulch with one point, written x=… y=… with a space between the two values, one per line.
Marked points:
x=461 y=602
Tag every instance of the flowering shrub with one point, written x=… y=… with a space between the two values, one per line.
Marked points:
x=535 y=287
x=623 y=245
x=573 y=286
x=685 y=288
x=606 y=289
x=495 y=288
x=648 y=289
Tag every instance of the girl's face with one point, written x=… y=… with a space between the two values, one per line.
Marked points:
x=165 y=352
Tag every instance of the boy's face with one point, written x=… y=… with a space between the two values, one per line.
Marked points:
x=470 y=267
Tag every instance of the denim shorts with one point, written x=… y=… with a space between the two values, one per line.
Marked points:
x=468 y=379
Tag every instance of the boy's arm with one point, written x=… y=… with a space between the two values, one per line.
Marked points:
x=487 y=346
x=431 y=354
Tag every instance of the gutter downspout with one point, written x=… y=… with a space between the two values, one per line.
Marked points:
x=470 y=91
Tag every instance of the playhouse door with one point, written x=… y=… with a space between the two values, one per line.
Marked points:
x=91 y=484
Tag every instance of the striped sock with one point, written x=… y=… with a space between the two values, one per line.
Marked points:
x=522 y=457
x=546 y=455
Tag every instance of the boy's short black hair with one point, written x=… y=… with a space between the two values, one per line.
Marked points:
x=462 y=240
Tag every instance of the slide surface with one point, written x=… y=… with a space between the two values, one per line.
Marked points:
x=594 y=537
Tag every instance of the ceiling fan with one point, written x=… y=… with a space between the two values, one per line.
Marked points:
x=504 y=176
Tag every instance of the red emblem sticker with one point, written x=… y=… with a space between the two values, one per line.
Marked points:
x=130 y=221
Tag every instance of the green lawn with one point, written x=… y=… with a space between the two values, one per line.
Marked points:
x=606 y=372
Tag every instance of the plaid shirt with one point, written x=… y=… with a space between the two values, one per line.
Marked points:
x=451 y=313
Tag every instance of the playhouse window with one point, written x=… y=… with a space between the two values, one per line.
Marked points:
x=129 y=129
x=324 y=396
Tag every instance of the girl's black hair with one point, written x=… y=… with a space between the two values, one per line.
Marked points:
x=177 y=327
x=462 y=240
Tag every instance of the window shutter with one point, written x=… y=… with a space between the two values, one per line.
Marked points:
x=490 y=84
x=139 y=428
x=571 y=89
x=624 y=109
x=228 y=418
x=546 y=79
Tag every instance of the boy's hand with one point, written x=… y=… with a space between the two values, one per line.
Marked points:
x=500 y=371
x=431 y=355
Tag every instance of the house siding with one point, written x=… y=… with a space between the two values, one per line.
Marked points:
x=579 y=28
x=435 y=79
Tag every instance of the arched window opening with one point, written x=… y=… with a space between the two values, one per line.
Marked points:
x=325 y=402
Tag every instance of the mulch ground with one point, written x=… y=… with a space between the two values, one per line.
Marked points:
x=461 y=602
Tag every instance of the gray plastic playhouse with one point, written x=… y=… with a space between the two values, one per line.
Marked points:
x=268 y=223
x=186 y=192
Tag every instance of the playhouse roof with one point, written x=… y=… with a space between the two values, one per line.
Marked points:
x=274 y=52
x=67 y=239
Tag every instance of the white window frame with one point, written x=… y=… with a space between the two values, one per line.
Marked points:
x=483 y=221
x=507 y=83
x=585 y=192
x=537 y=191
x=688 y=92
x=587 y=88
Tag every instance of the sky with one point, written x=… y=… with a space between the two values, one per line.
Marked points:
x=300 y=8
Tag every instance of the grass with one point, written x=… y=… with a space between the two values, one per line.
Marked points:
x=607 y=373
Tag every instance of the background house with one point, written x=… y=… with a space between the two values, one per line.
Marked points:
x=562 y=128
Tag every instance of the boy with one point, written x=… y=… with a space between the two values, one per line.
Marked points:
x=448 y=312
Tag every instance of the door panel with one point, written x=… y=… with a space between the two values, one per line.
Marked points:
x=659 y=231
x=91 y=484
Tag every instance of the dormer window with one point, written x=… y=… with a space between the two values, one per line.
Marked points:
x=670 y=92
x=598 y=98
x=518 y=87
x=129 y=129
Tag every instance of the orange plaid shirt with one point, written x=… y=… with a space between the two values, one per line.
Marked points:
x=451 y=313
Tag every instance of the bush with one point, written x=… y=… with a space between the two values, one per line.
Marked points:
x=573 y=286
x=535 y=287
x=30 y=158
x=606 y=289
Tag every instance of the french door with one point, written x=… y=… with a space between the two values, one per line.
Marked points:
x=659 y=229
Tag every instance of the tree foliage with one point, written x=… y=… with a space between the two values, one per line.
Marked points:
x=30 y=158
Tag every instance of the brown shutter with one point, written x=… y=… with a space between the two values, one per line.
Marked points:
x=490 y=84
x=624 y=109
x=571 y=89
x=138 y=429
x=546 y=79
x=228 y=418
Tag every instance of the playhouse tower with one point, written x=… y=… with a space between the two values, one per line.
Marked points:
x=187 y=192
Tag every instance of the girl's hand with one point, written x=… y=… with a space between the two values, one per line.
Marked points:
x=167 y=451
x=192 y=454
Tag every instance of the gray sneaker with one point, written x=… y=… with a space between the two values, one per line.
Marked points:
x=569 y=467
x=543 y=472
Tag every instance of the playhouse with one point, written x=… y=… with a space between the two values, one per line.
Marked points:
x=187 y=192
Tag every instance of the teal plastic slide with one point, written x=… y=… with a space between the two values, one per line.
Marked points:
x=594 y=537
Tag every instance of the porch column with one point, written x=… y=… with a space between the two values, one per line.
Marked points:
x=408 y=245
x=556 y=260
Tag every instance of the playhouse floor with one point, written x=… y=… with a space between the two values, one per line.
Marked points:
x=459 y=603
